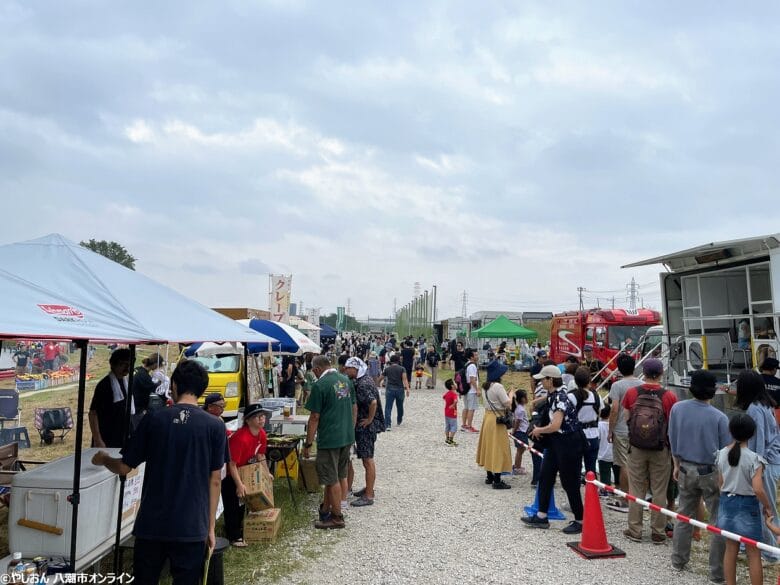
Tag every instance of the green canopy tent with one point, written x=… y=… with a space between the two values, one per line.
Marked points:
x=503 y=328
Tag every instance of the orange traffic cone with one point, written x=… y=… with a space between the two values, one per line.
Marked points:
x=593 y=542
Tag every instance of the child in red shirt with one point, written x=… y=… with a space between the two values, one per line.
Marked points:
x=450 y=412
x=247 y=445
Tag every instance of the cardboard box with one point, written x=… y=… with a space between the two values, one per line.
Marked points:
x=259 y=486
x=308 y=472
x=262 y=526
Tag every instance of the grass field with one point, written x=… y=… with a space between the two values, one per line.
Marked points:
x=296 y=542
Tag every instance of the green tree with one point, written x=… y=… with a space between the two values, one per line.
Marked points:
x=113 y=251
x=350 y=323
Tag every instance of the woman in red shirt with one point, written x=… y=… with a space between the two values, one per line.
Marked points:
x=247 y=445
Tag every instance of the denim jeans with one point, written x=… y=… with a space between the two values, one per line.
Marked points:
x=396 y=395
x=771 y=477
x=591 y=454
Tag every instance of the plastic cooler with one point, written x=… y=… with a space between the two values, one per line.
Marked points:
x=41 y=495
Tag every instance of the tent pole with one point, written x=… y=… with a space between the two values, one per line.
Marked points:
x=75 y=495
x=122 y=479
x=246 y=377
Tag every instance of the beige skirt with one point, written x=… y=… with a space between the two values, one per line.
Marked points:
x=493 y=452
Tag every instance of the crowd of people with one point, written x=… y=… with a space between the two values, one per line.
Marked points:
x=640 y=435
x=637 y=437
x=37 y=357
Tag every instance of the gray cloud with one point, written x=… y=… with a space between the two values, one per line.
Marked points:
x=410 y=138
x=253 y=266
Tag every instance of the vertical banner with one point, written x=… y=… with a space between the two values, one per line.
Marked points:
x=279 y=298
x=340 y=320
x=313 y=317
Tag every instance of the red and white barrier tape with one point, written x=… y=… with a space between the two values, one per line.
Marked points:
x=682 y=518
x=525 y=445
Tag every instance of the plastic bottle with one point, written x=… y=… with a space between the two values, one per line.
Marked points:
x=16 y=568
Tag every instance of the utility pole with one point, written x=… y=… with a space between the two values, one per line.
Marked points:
x=613 y=301
x=435 y=290
x=395 y=305
x=464 y=310
x=633 y=293
x=580 y=290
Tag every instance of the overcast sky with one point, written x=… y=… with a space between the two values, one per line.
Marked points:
x=513 y=150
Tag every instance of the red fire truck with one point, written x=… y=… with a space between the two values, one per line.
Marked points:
x=609 y=331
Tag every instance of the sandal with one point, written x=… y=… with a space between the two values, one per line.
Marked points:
x=239 y=543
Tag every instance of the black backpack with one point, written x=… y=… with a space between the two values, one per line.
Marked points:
x=462 y=381
x=596 y=407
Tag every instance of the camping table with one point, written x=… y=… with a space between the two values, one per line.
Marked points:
x=277 y=452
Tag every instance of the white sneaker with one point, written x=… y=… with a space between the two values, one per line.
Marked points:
x=344 y=505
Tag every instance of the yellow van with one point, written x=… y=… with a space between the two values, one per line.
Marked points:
x=226 y=376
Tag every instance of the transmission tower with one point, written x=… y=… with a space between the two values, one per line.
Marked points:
x=633 y=293
x=349 y=306
x=416 y=289
x=464 y=311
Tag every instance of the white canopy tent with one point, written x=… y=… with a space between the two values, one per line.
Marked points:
x=53 y=288
x=303 y=325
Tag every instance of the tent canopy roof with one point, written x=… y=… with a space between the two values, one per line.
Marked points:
x=503 y=328
x=290 y=340
x=327 y=331
x=725 y=252
x=53 y=288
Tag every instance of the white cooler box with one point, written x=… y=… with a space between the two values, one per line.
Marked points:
x=41 y=495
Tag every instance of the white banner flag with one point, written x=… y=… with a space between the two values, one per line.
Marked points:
x=279 y=298
x=313 y=317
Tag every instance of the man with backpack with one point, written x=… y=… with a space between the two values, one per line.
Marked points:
x=648 y=408
x=470 y=378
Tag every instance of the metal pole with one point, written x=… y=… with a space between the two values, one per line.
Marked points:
x=122 y=479
x=76 y=494
x=435 y=291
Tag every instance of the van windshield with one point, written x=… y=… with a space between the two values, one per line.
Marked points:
x=219 y=364
x=621 y=337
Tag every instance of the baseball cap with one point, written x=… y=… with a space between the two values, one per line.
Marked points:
x=548 y=372
x=541 y=353
x=213 y=398
x=652 y=367
x=587 y=347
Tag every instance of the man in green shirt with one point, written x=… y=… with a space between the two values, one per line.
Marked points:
x=333 y=416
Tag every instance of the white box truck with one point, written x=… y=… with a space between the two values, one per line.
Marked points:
x=720 y=305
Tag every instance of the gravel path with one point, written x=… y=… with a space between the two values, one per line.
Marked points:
x=435 y=521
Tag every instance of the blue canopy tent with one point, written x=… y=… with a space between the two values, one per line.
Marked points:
x=326 y=331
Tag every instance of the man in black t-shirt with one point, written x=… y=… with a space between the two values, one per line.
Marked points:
x=184 y=450
x=21 y=357
x=407 y=358
x=432 y=360
x=771 y=381
x=289 y=375
x=458 y=357
x=108 y=409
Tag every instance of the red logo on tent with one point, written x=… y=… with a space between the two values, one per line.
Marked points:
x=62 y=312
